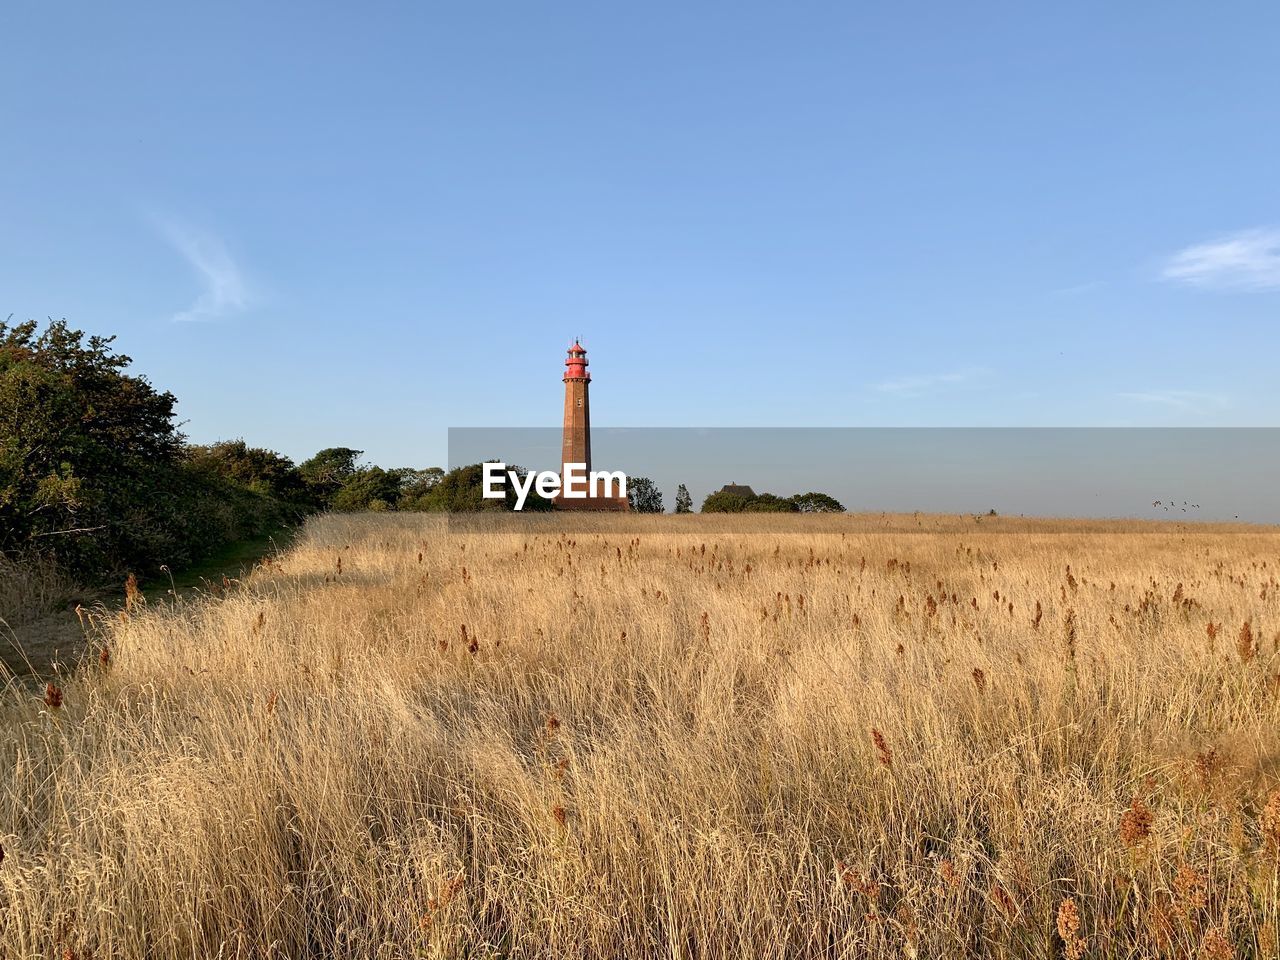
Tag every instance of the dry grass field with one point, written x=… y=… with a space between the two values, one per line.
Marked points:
x=664 y=737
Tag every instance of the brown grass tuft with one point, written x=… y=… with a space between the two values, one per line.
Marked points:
x=1135 y=824
x=1073 y=945
x=1192 y=889
x=1215 y=946
x=1246 y=646
x=883 y=753
x=132 y=595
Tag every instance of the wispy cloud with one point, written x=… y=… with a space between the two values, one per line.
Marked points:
x=223 y=288
x=1192 y=401
x=1247 y=260
x=921 y=384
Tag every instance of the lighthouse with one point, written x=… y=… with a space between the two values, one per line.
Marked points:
x=575 y=443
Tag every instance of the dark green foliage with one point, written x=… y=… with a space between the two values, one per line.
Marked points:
x=461 y=490
x=369 y=488
x=817 y=503
x=82 y=445
x=94 y=473
x=335 y=479
x=644 y=495
x=199 y=513
x=723 y=502
x=416 y=485
x=326 y=472
x=684 y=502
x=256 y=468
x=768 y=503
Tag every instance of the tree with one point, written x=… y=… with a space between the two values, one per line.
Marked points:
x=684 y=502
x=326 y=472
x=371 y=488
x=254 y=467
x=461 y=490
x=817 y=503
x=86 y=449
x=644 y=495
x=724 y=502
x=94 y=473
x=415 y=485
x=768 y=503
x=721 y=502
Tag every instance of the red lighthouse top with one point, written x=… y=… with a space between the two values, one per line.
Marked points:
x=576 y=365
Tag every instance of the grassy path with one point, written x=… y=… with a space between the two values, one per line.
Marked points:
x=51 y=645
x=232 y=561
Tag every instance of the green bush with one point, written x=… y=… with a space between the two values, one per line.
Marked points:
x=768 y=503
x=95 y=476
x=723 y=502
x=461 y=490
x=365 y=487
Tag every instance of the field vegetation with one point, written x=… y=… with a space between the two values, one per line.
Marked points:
x=532 y=736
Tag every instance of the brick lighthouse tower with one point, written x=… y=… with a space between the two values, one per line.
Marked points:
x=575 y=444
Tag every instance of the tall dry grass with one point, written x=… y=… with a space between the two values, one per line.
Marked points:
x=31 y=587
x=641 y=737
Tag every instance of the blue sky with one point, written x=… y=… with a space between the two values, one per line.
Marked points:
x=359 y=225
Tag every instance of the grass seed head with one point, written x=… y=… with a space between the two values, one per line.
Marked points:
x=1073 y=945
x=132 y=595
x=1192 y=888
x=1246 y=646
x=1135 y=825
x=1001 y=898
x=1215 y=946
x=1069 y=634
x=883 y=753
x=1269 y=822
